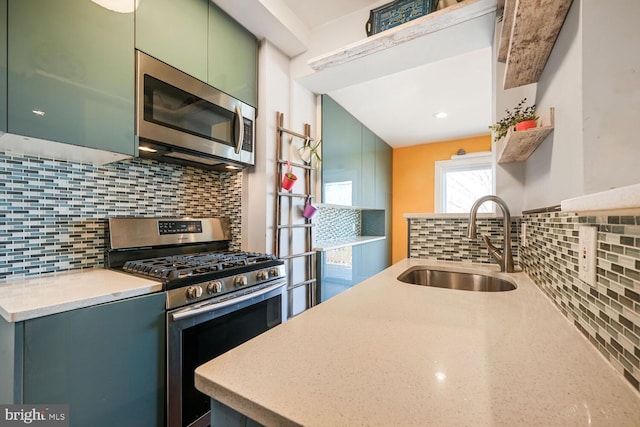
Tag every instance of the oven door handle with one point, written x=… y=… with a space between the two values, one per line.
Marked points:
x=192 y=312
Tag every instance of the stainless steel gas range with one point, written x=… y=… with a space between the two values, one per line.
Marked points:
x=216 y=299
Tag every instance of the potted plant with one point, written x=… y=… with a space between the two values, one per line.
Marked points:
x=309 y=152
x=289 y=178
x=521 y=118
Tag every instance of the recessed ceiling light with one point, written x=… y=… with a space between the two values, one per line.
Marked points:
x=440 y=115
x=147 y=149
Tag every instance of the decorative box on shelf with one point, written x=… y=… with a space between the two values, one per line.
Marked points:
x=396 y=13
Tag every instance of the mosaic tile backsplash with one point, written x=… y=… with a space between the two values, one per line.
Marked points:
x=445 y=239
x=608 y=314
x=336 y=223
x=53 y=214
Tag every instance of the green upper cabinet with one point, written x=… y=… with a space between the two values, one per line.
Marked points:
x=202 y=41
x=341 y=155
x=368 y=181
x=3 y=65
x=355 y=158
x=175 y=32
x=233 y=57
x=71 y=73
x=384 y=174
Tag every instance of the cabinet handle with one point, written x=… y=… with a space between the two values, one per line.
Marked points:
x=239 y=131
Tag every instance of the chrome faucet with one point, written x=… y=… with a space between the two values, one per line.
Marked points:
x=504 y=257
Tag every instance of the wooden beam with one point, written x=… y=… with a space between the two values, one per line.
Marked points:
x=535 y=29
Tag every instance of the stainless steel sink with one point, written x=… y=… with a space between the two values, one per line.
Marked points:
x=425 y=276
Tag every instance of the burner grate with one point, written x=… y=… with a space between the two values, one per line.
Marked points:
x=177 y=267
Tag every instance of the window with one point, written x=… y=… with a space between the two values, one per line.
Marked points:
x=461 y=181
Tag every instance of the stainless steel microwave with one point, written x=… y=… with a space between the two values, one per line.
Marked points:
x=181 y=119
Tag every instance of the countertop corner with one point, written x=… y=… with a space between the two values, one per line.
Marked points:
x=36 y=296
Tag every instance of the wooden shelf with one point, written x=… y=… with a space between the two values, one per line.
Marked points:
x=518 y=146
x=530 y=30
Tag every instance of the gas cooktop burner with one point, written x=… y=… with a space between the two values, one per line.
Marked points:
x=191 y=257
x=183 y=266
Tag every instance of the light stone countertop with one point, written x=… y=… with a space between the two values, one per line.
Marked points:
x=31 y=297
x=618 y=198
x=386 y=353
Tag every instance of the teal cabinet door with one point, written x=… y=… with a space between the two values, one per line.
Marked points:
x=3 y=65
x=384 y=174
x=373 y=258
x=107 y=362
x=341 y=155
x=175 y=32
x=368 y=168
x=71 y=73
x=233 y=57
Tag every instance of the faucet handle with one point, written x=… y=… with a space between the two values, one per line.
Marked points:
x=495 y=252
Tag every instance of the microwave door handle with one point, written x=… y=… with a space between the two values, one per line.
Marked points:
x=239 y=129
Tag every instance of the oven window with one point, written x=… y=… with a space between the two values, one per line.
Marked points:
x=172 y=107
x=203 y=342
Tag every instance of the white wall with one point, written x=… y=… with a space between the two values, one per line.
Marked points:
x=555 y=170
x=509 y=176
x=611 y=82
x=592 y=79
x=277 y=92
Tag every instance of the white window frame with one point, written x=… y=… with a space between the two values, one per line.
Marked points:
x=460 y=163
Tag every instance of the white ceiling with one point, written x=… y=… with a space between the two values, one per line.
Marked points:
x=399 y=107
x=315 y=13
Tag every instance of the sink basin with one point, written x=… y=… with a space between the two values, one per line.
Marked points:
x=425 y=276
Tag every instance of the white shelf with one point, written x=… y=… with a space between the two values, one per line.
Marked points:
x=341 y=243
x=428 y=24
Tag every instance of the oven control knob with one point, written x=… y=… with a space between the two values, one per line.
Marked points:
x=214 y=287
x=194 y=292
x=262 y=275
x=240 y=281
x=274 y=272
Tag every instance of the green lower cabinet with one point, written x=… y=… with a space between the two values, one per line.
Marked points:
x=343 y=268
x=233 y=57
x=373 y=258
x=71 y=73
x=107 y=362
x=175 y=32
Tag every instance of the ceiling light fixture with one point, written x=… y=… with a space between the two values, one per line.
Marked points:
x=38 y=112
x=440 y=115
x=147 y=149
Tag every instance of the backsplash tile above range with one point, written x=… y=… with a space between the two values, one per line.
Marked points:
x=53 y=213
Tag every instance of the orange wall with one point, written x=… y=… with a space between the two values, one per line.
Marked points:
x=413 y=181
